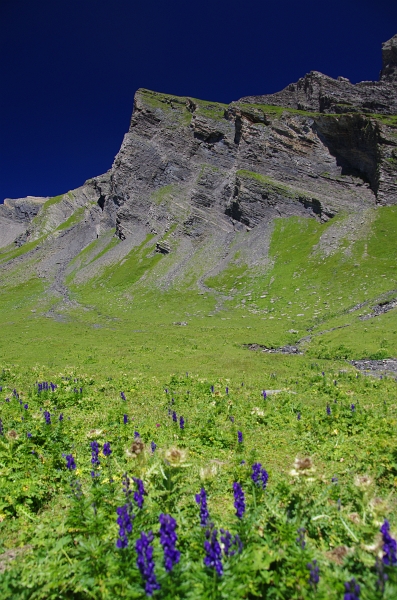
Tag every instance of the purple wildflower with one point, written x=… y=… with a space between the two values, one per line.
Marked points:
x=299 y=416
x=126 y=486
x=259 y=475
x=239 y=500
x=328 y=409
x=124 y=521
x=352 y=407
x=145 y=562
x=227 y=390
x=314 y=576
x=231 y=544
x=213 y=552
x=168 y=539
x=94 y=453
x=352 y=590
x=106 y=449
x=231 y=418
x=125 y=419
x=138 y=495
x=153 y=446
x=47 y=417
x=389 y=545
x=61 y=417
x=70 y=464
x=240 y=437
x=201 y=499
x=136 y=435
x=174 y=417
x=181 y=422
x=26 y=406
x=7 y=399
x=212 y=389
x=264 y=394
x=122 y=396
x=300 y=540
x=29 y=435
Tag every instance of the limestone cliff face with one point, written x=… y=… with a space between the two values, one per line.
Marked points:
x=191 y=172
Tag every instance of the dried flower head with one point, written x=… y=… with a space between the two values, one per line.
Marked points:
x=12 y=435
x=137 y=447
x=354 y=518
x=208 y=472
x=94 y=433
x=337 y=555
x=363 y=481
x=176 y=457
x=302 y=467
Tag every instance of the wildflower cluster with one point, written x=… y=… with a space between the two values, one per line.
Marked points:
x=352 y=590
x=213 y=551
x=145 y=562
x=231 y=544
x=239 y=500
x=389 y=545
x=168 y=539
x=259 y=475
x=201 y=499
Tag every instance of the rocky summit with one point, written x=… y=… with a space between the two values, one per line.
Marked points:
x=195 y=175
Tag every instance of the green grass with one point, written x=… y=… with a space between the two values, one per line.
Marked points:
x=64 y=522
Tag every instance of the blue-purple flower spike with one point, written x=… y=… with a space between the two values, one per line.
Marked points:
x=145 y=562
x=138 y=495
x=106 y=449
x=201 y=499
x=213 y=552
x=70 y=464
x=352 y=590
x=94 y=453
x=259 y=475
x=239 y=437
x=168 y=539
x=181 y=422
x=389 y=545
x=239 y=500
x=231 y=544
x=314 y=576
x=124 y=521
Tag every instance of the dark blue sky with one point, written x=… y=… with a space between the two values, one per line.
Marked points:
x=69 y=68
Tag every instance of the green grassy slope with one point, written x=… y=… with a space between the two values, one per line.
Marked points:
x=316 y=274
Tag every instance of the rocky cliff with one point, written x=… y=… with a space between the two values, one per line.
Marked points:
x=191 y=172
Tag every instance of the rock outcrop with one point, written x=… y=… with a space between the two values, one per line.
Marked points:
x=320 y=93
